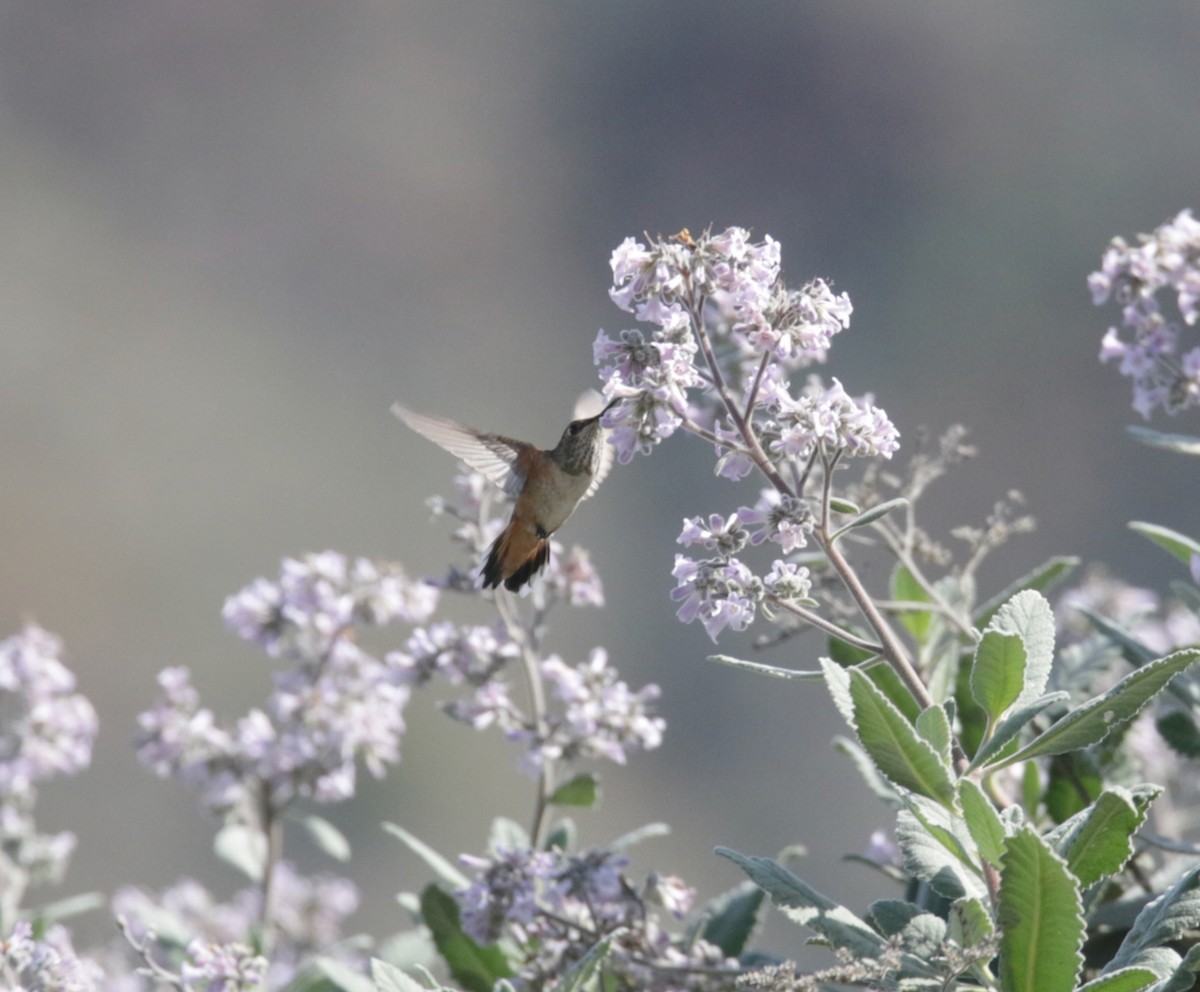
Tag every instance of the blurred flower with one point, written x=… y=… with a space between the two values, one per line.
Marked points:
x=307 y=916
x=318 y=597
x=49 y=963
x=223 y=967
x=1168 y=259
x=557 y=905
x=335 y=705
x=48 y=727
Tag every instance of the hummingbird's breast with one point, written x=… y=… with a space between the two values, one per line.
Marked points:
x=554 y=495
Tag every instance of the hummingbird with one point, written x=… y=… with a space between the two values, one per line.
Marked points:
x=547 y=485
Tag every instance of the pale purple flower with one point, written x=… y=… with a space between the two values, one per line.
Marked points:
x=788 y=581
x=602 y=716
x=1165 y=261
x=882 y=849
x=834 y=420
x=505 y=891
x=490 y=705
x=48 y=727
x=49 y=963
x=553 y=906
x=726 y=536
x=572 y=577
x=781 y=518
x=317 y=598
x=325 y=713
x=222 y=967
x=719 y=593
x=672 y=893
x=308 y=917
x=471 y=654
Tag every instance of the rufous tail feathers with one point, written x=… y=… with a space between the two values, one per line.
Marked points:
x=516 y=556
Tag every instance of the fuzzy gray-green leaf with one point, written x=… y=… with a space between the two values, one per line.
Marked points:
x=1041 y=918
x=1100 y=716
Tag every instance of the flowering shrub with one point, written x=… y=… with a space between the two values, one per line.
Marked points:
x=1034 y=761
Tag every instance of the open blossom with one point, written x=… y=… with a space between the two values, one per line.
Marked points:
x=783 y=519
x=831 y=418
x=719 y=593
x=725 y=536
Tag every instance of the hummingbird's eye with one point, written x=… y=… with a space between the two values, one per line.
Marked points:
x=575 y=426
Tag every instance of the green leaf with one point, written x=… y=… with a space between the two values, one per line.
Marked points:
x=890 y=684
x=878 y=785
x=839 y=505
x=730 y=920
x=1100 y=716
x=1008 y=728
x=1043 y=578
x=648 y=832
x=506 y=834
x=893 y=744
x=1125 y=980
x=871 y=515
x=325 y=974
x=1073 y=783
x=1133 y=650
x=1098 y=842
x=1028 y=615
x=932 y=853
x=582 y=790
x=243 y=847
x=1041 y=918
x=1179 y=730
x=1162 y=921
x=64 y=909
x=1183 y=977
x=847 y=654
x=969 y=923
x=563 y=836
x=998 y=674
x=581 y=972
x=327 y=837
x=443 y=868
x=761 y=668
x=1179 y=545
x=389 y=978
x=474 y=967
x=933 y=725
x=1179 y=443
x=893 y=915
x=906 y=589
x=835 y=924
x=983 y=822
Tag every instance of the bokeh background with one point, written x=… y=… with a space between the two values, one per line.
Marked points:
x=233 y=232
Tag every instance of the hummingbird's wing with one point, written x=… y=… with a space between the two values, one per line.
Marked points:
x=495 y=456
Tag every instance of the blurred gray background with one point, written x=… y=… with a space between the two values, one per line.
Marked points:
x=233 y=232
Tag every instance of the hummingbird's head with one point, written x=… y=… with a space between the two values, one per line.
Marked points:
x=579 y=448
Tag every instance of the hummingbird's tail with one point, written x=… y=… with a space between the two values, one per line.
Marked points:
x=516 y=556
